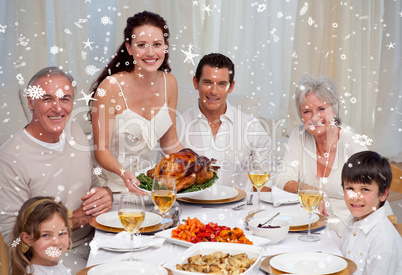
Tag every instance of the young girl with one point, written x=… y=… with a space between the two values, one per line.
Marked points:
x=41 y=235
x=134 y=106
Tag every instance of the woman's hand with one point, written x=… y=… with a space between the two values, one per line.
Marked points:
x=130 y=180
x=322 y=209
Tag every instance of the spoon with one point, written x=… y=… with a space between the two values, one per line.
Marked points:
x=270 y=219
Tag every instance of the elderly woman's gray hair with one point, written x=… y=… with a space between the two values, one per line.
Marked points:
x=52 y=71
x=323 y=87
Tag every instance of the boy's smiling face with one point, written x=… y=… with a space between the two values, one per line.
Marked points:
x=363 y=199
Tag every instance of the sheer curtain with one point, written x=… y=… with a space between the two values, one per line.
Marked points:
x=346 y=40
x=272 y=43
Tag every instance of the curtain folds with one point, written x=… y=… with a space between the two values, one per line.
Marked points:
x=272 y=43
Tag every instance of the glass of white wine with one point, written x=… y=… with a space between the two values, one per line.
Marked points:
x=259 y=176
x=164 y=194
x=132 y=215
x=310 y=197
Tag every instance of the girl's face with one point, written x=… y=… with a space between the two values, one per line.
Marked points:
x=147 y=48
x=362 y=199
x=316 y=115
x=52 y=243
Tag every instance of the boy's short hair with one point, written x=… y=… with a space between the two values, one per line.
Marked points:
x=365 y=167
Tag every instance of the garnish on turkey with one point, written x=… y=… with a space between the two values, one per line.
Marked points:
x=192 y=172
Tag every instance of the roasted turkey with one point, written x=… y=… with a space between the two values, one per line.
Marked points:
x=186 y=166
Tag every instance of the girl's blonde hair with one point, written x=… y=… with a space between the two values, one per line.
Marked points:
x=32 y=213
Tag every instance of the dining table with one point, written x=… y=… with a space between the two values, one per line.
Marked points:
x=222 y=214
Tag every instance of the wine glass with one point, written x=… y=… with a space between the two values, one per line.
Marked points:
x=310 y=197
x=259 y=175
x=164 y=194
x=131 y=214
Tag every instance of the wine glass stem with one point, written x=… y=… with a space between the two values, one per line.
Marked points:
x=131 y=245
x=259 y=200
x=163 y=221
x=309 y=225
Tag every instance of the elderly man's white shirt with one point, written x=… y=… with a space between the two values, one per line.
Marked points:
x=240 y=139
x=373 y=244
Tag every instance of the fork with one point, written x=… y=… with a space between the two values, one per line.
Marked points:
x=237 y=208
x=250 y=200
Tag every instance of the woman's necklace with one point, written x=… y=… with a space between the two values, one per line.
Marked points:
x=326 y=155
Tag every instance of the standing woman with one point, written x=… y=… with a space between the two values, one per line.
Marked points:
x=134 y=104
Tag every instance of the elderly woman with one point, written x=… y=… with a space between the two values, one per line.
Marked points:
x=319 y=147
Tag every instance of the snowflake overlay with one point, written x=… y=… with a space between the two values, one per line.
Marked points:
x=53 y=251
x=34 y=92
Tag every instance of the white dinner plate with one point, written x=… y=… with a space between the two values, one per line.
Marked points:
x=121 y=249
x=267 y=197
x=127 y=268
x=111 y=219
x=295 y=217
x=167 y=234
x=310 y=263
x=217 y=192
x=179 y=195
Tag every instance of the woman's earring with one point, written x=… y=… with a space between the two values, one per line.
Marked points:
x=24 y=247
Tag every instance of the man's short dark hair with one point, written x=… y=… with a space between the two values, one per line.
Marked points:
x=216 y=60
x=365 y=167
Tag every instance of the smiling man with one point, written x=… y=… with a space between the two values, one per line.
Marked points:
x=47 y=158
x=216 y=129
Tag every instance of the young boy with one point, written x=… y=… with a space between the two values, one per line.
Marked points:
x=369 y=238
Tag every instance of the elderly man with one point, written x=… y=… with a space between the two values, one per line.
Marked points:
x=214 y=128
x=47 y=158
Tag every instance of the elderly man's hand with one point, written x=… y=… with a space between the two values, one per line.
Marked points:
x=97 y=201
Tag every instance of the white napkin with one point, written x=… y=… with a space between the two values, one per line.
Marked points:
x=122 y=241
x=279 y=196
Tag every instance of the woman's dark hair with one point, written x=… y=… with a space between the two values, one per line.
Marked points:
x=365 y=167
x=122 y=60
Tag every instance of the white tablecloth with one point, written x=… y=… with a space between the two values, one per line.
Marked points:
x=223 y=215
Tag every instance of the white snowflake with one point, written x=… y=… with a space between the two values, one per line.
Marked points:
x=261 y=7
x=189 y=55
x=362 y=140
x=83 y=55
x=91 y=70
x=353 y=100
x=343 y=56
x=67 y=31
x=59 y=93
x=304 y=9
x=101 y=92
x=54 y=50
x=86 y=97
x=16 y=242
x=20 y=79
x=3 y=28
x=53 y=252
x=106 y=20
x=310 y=21
x=34 y=92
x=23 y=42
